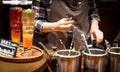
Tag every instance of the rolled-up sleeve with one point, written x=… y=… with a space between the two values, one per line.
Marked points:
x=93 y=11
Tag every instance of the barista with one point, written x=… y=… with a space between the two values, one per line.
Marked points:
x=52 y=26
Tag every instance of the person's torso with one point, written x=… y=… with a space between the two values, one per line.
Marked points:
x=60 y=10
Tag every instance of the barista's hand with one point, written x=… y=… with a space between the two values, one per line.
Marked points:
x=96 y=32
x=62 y=25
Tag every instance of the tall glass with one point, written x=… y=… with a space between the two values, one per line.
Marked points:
x=15 y=23
x=27 y=27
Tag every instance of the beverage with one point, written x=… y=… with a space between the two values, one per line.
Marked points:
x=27 y=27
x=15 y=23
x=27 y=40
x=15 y=32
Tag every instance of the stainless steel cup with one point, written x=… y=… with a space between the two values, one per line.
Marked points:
x=96 y=61
x=68 y=61
x=114 y=57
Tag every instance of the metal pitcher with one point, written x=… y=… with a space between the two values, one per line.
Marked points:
x=96 y=61
x=68 y=61
x=114 y=59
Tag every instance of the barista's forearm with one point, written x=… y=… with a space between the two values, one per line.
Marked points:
x=48 y=27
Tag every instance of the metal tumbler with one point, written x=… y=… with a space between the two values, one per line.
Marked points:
x=96 y=61
x=68 y=61
x=114 y=59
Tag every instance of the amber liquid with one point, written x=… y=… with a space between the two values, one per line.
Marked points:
x=15 y=32
x=27 y=40
x=27 y=28
x=15 y=23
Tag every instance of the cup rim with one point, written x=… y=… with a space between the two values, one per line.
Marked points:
x=67 y=56
x=113 y=52
x=15 y=8
x=97 y=55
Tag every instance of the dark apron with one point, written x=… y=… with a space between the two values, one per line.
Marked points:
x=60 y=10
